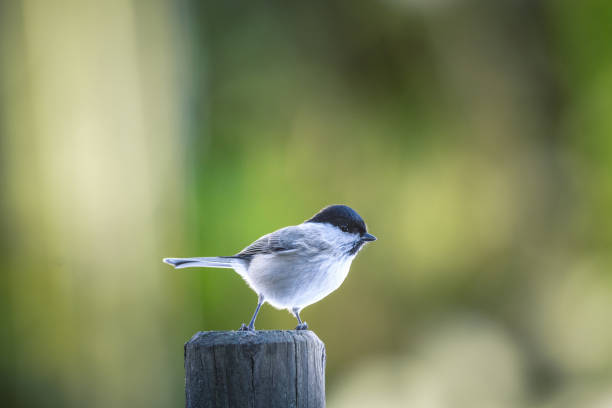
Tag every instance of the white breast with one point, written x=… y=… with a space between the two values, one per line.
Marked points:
x=301 y=278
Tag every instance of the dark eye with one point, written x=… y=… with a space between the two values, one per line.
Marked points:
x=344 y=228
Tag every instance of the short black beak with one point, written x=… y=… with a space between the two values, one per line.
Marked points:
x=368 y=237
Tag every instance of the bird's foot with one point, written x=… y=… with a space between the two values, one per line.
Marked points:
x=302 y=326
x=244 y=327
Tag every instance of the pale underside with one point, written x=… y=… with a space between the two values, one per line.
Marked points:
x=296 y=273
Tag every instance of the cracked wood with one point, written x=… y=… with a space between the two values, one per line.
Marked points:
x=255 y=369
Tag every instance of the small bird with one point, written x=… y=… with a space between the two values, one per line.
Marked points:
x=295 y=266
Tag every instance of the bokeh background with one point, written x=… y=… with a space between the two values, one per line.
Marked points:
x=474 y=137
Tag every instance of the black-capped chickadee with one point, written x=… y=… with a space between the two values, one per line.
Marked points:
x=296 y=266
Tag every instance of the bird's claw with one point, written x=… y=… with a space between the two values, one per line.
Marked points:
x=302 y=326
x=244 y=327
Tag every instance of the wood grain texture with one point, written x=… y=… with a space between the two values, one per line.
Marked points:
x=266 y=369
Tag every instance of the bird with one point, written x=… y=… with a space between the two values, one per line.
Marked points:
x=298 y=265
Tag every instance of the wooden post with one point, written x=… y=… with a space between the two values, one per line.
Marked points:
x=267 y=369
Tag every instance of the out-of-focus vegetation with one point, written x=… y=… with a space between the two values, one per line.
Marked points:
x=474 y=137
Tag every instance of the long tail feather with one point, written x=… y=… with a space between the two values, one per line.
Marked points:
x=212 y=262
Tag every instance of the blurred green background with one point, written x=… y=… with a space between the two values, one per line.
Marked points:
x=474 y=137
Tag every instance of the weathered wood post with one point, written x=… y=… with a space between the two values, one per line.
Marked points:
x=267 y=369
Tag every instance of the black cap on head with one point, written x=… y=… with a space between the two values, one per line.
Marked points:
x=341 y=216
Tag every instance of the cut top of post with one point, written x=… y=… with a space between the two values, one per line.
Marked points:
x=213 y=338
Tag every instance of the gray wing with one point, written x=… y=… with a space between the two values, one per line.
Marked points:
x=285 y=240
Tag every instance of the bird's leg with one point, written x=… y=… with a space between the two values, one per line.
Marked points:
x=300 y=326
x=251 y=326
